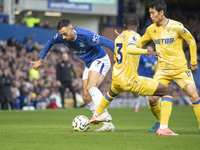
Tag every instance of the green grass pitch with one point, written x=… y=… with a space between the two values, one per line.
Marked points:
x=52 y=130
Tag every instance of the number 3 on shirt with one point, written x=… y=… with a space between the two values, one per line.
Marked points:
x=119 y=60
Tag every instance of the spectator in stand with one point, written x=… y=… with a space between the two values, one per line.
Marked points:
x=11 y=42
x=3 y=17
x=43 y=99
x=5 y=90
x=30 y=21
x=28 y=102
x=28 y=43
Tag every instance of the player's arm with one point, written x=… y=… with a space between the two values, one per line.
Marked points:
x=97 y=40
x=134 y=42
x=134 y=50
x=187 y=36
x=47 y=47
x=145 y=38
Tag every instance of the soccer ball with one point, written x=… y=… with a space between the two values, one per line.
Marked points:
x=80 y=123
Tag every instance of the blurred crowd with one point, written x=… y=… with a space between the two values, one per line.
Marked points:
x=21 y=87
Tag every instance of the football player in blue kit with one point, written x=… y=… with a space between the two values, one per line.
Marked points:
x=147 y=64
x=88 y=47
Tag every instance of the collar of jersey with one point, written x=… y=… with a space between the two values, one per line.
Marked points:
x=75 y=36
x=167 y=23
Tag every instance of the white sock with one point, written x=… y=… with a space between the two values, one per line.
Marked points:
x=96 y=95
x=92 y=106
x=163 y=126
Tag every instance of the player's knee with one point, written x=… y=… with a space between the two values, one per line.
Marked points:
x=194 y=96
x=153 y=100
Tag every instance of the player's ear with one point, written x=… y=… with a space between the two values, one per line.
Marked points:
x=162 y=13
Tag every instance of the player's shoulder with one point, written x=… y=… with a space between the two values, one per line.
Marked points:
x=57 y=36
x=175 y=24
x=152 y=26
x=132 y=34
x=129 y=35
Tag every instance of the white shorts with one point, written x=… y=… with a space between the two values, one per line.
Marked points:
x=101 y=65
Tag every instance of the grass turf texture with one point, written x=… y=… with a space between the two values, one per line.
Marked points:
x=52 y=130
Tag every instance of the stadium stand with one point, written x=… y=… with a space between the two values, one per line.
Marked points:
x=35 y=88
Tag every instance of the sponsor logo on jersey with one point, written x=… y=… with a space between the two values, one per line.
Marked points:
x=164 y=41
x=77 y=52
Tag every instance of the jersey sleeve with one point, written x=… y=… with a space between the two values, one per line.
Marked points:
x=187 y=36
x=145 y=38
x=97 y=40
x=134 y=39
x=49 y=44
x=134 y=45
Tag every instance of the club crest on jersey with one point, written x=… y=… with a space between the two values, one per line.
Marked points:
x=96 y=38
x=82 y=44
x=168 y=30
x=154 y=31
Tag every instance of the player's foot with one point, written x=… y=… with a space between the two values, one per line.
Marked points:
x=155 y=127
x=107 y=126
x=166 y=131
x=104 y=117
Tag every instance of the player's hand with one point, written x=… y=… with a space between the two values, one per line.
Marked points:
x=193 y=68
x=154 y=53
x=37 y=64
x=117 y=33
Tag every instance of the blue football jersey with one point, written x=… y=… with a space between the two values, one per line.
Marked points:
x=87 y=45
x=147 y=65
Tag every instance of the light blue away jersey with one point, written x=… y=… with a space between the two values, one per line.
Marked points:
x=87 y=45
